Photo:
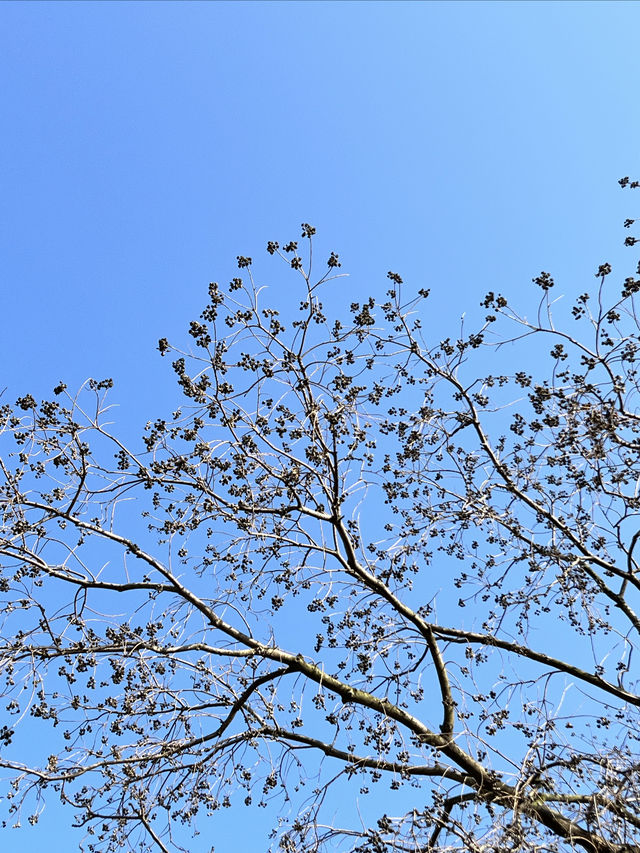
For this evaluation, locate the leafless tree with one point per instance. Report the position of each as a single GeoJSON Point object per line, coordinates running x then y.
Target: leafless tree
{"type": "Point", "coordinates": [354, 561]}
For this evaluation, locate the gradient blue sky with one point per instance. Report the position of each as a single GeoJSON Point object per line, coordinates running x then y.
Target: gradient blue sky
{"type": "Point", "coordinates": [145, 145]}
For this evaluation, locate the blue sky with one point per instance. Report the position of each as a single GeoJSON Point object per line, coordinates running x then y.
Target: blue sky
{"type": "Point", "coordinates": [145, 145]}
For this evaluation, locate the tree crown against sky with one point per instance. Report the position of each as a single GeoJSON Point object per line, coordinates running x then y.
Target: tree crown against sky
{"type": "Point", "coordinates": [355, 560]}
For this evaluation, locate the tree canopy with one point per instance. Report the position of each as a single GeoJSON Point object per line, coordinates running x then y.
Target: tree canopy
{"type": "Point", "coordinates": [354, 560]}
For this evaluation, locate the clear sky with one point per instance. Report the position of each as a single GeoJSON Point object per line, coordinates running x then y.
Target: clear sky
{"type": "Point", "coordinates": [144, 145]}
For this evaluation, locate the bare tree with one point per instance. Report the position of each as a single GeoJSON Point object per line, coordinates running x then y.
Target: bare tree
{"type": "Point", "coordinates": [353, 559]}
